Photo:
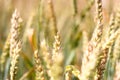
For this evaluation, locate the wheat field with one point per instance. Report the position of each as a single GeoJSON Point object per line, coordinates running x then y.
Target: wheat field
{"type": "Point", "coordinates": [59, 40]}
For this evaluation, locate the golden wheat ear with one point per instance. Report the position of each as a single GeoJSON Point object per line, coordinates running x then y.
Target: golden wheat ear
{"type": "Point", "coordinates": [15, 43]}
{"type": "Point", "coordinates": [58, 60]}
{"type": "Point", "coordinates": [38, 67]}
{"type": "Point", "coordinates": [91, 56]}
{"type": "Point", "coordinates": [104, 54]}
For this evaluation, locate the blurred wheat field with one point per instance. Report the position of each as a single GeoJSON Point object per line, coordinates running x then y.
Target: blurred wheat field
{"type": "Point", "coordinates": [59, 40]}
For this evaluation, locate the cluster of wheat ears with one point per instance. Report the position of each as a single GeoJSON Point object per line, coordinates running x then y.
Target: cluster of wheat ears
{"type": "Point", "coordinates": [100, 51]}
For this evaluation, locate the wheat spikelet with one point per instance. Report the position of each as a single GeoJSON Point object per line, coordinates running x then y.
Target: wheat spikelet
{"type": "Point", "coordinates": [15, 43]}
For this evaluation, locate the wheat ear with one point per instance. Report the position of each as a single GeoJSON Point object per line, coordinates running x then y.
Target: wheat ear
{"type": "Point", "coordinates": [90, 58]}
{"type": "Point", "coordinates": [104, 55]}
{"type": "Point", "coordinates": [58, 59]}
{"type": "Point", "coordinates": [47, 57]}
{"type": "Point", "coordinates": [38, 67]}
{"type": "Point", "coordinates": [15, 43]}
